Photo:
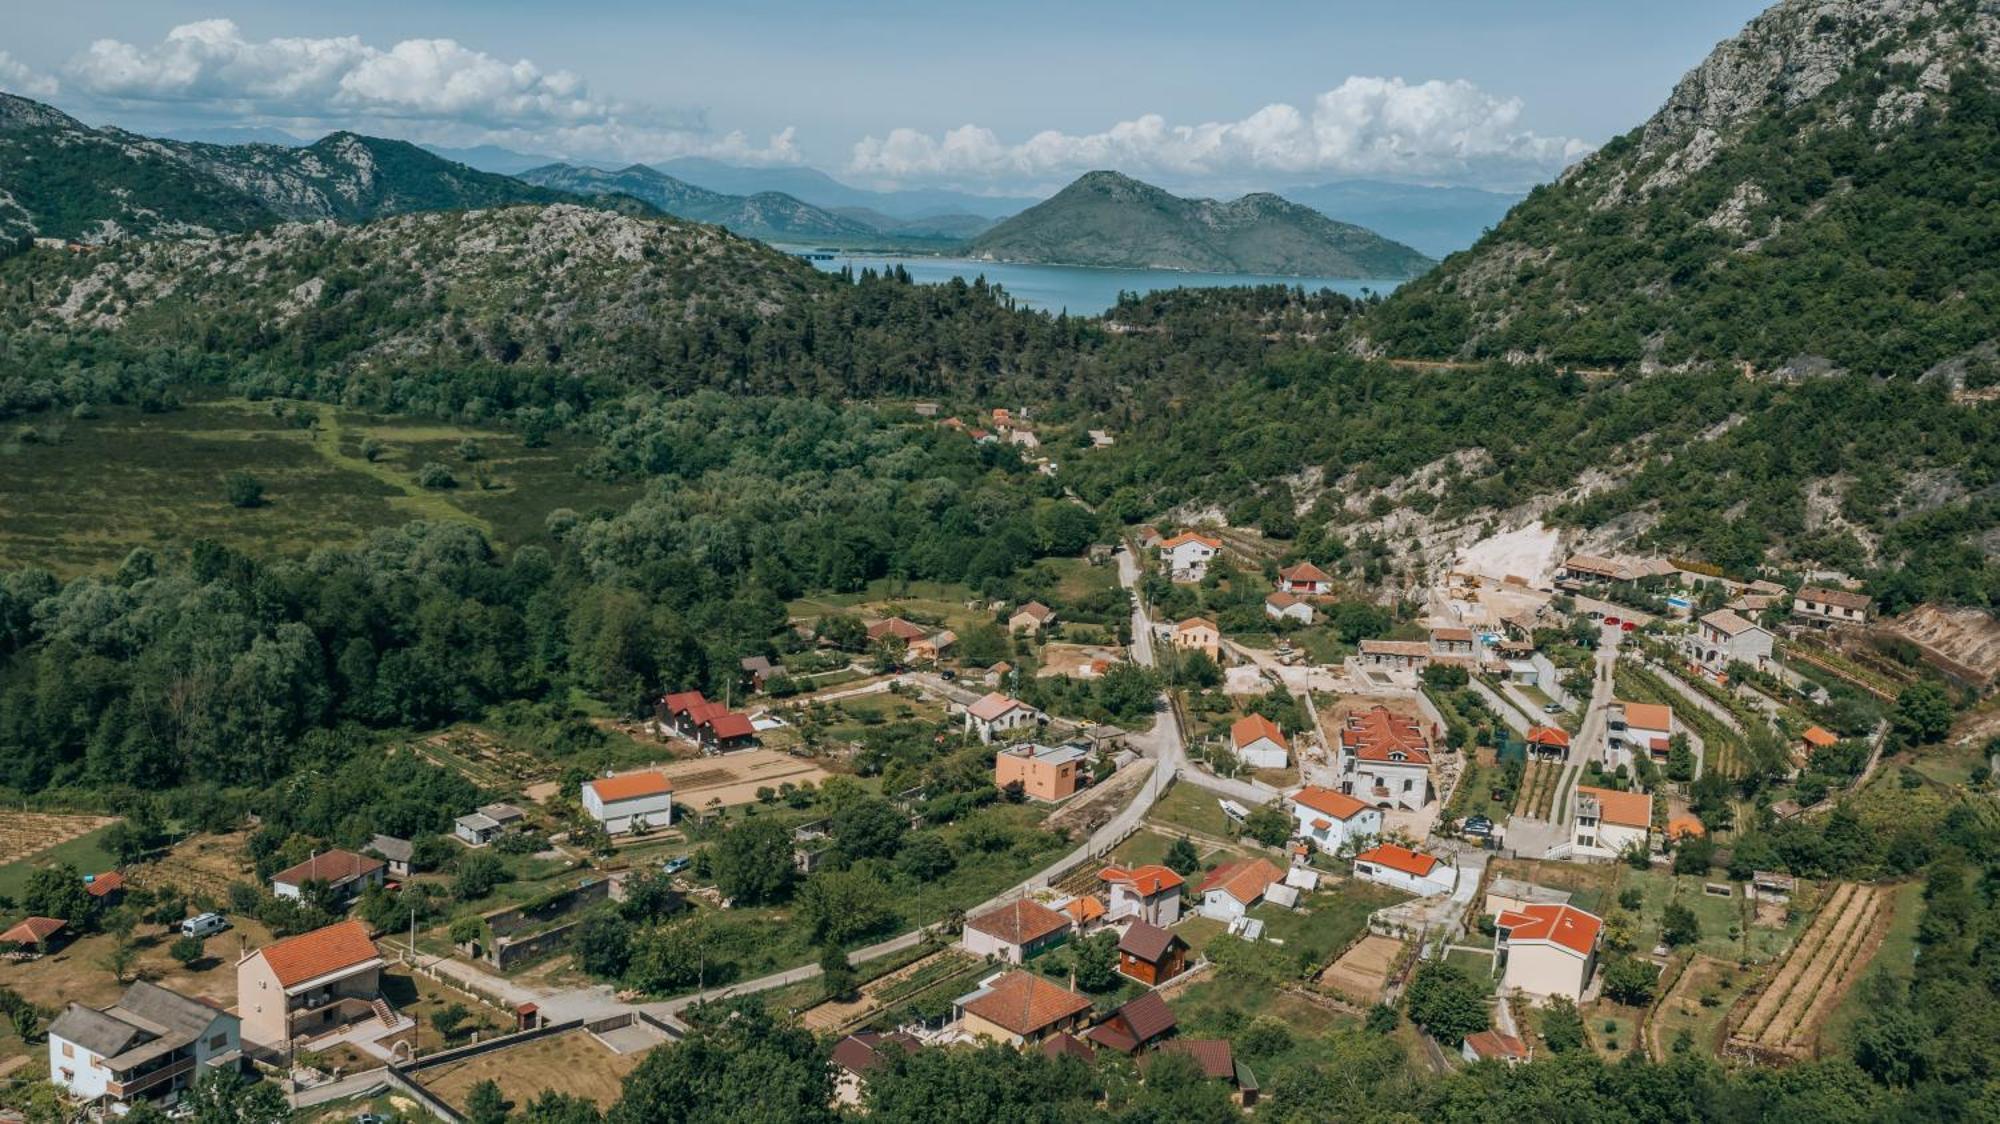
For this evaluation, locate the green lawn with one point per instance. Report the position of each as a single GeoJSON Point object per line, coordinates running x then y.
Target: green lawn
{"type": "Point", "coordinates": [1186, 806]}
{"type": "Point", "coordinates": [1478, 966]}
{"type": "Point", "coordinates": [85, 852]}
{"type": "Point", "coordinates": [1726, 931]}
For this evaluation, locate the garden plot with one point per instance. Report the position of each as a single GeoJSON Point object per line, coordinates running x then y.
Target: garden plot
{"type": "Point", "coordinates": [734, 778]}
{"type": "Point", "coordinates": [1362, 972]}
{"type": "Point", "coordinates": [27, 834]}
{"type": "Point", "coordinates": [1537, 797]}
{"type": "Point", "coordinates": [1782, 1022]}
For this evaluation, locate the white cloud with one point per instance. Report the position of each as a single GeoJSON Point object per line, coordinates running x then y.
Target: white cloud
{"type": "Point", "coordinates": [435, 90]}
{"type": "Point", "coordinates": [1365, 126]}
{"type": "Point", "coordinates": [17, 78]}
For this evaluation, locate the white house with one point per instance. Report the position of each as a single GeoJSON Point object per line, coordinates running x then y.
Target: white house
{"type": "Point", "coordinates": [344, 874]}
{"type": "Point", "coordinates": [1282, 606]}
{"type": "Point", "coordinates": [1723, 637]}
{"type": "Point", "coordinates": [995, 714]}
{"type": "Point", "coordinates": [1609, 822]}
{"type": "Point", "coordinates": [630, 801]}
{"type": "Point", "coordinates": [1187, 555]}
{"type": "Point", "coordinates": [1385, 760]}
{"type": "Point", "coordinates": [1636, 728]}
{"type": "Point", "coordinates": [151, 1043]}
{"type": "Point", "coordinates": [1410, 871]}
{"type": "Point", "coordinates": [1305, 578]}
{"type": "Point", "coordinates": [1232, 888]}
{"type": "Point", "coordinates": [1547, 950]}
{"type": "Point", "coordinates": [1150, 893]}
{"type": "Point", "coordinates": [486, 823]}
{"type": "Point", "coordinates": [1016, 931]}
{"type": "Point", "coordinates": [1821, 606]}
{"type": "Point", "coordinates": [1258, 743]}
{"type": "Point", "coordinates": [1333, 820]}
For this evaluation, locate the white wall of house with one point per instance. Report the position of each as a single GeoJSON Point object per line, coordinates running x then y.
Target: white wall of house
{"type": "Point", "coordinates": [1603, 840]}
{"type": "Point", "coordinates": [77, 1069]}
{"type": "Point", "coordinates": [1264, 753]}
{"type": "Point", "coordinates": [1219, 906]}
{"type": "Point", "coordinates": [1408, 785]}
{"type": "Point", "coordinates": [1541, 969]}
{"type": "Point", "coordinates": [1162, 909]}
{"type": "Point", "coordinates": [986, 944]}
{"type": "Point", "coordinates": [1441, 880]}
{"type": "Point", "coordinates": [1366, 824]}
{"type": "Point", "coordinates": [621, 816]}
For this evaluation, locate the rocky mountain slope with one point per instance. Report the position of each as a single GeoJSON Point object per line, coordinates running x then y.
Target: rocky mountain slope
{"type": "Point", "coordinates": [1817, 191]}
{"type": "Point", "coordinates": [769, 215]}
{"type": "Point", "coordinates": [60, 178]}
{"type": "Point", "coordinates": [1107, 219]}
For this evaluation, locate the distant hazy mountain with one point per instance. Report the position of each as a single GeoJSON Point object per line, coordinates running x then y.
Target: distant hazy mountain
{"type": "Point", "coordinates": [1113, 220]}
{"type": "Point", "coordinates": [238, 134]}
{"type": "Point", "coordinates": [1436, 220]}
{"type": "Point", "coordinates": [62, 178]}
{"type": "Point", "coordinates": [822, 190]}
{"type": "Point", "coordinates": [770, 215]}
{"type": "Point", "coordinates": [502, 161]}
{"type": "Point", "coordinates": [942, 227]}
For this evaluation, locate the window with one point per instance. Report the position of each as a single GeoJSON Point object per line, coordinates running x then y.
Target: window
{"type": "Point", "coordinates": [218, 1042]}
{"type": "Point", "coordinates": [69, 1051]}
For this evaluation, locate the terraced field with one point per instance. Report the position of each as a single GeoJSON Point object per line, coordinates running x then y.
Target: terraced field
{"type": "Point", "coordinates": [1781, 1023]}
{"type": "Point", "coordinates": [1537, 797]}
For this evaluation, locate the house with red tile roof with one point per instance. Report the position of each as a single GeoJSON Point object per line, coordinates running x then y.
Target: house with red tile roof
{"type": "Point", "coordinates": [1305, 578]}
{"type": "Point", "coordinates": [1031, 618]}
{"type": "Point", "coordinates": [1412, 872]}
{"type": "Point", "coordinates": [1282, 606]}
{"type": "Point", "coordinates": [674, 706]}
{"type": "Point", "coordinates": [1547, 950]}
{"type": "Point", "coordinates": [994, 715]}
{"type": "Point", "coordinates": [1332, 820]}
{"type": "Point", "coordinates": [1384, 759]}
{"type": "Point", "coordinates": [1637, 728]}
{"type": "Point", "coordinates": [1491, 1045]}
{"type": "Point", "coordinates": [630, 801]}
{"type": "Point", "coordinates": [34, 936]}
{"type": "Point", "coordinates": [1258, 743]}
{"type": "Point", "coordinates": [311, 984]}
{"type": "Point", "coordinates": [1232, 888]}
{"type": "Point", "coordinates": [1606, 822]}
{"type": "Point", "coordinates": [1015, 931]}
{"type": "Point", "coordinates": [727, 730]}
{"type": "Point", "coordinates": [895, 628]}
{"type": "Point", "coordinates": [1020, 1008]}
{"type": "Point", "coordinates": [1548, 741]}
{"type": "Point", "coordinates": [1150, 893]}
{"type": "Point", "coordinates": [1186, 556]}
{"type": "Point", "coordinates": [345, 875]}
{"type": "Point", "coordinates": [1812, 741]}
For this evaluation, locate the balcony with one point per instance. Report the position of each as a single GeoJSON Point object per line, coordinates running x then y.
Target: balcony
{"type": "Point", "coordinates": [154, 1079]}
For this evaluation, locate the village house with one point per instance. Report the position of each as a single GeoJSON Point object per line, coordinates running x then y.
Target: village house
{"type": "Point", "coordinates": [630, 802]}
{"type": "Point", "coordinates": [1636, 728]}
{"type": "Point", "coordinates": [1031, 618]}
{"type": "Point", "coordinates": [1395, 655]}
{"type": "Point", "coordinates": [311, 984]}
{"type": "Point", "coordinates": [1547, 950]}
{"type": "Point", "coordinates": [757, 670]}
{"type": "Point", "coordinates": [1020, 1008]}
{"type": "Point", "coordinates": [1282, 606]}
{"type": "Point", "coordinates": [675, 710]}
{"type": "Point", "coordinates": [1333, 820]}
{"type": "Point", "coordinates": [149, 1045]}
{"type": "Point", "coordinates": [35, 936]}
{"type": "Point", "coordinates": [895, 628]}
{"type": "Point", "coordinates": [1609, 822]}
{"type": "Point", "coordinates": [1150, 954]}
{"type": "Point", "coordinates": [1188, 554]}
{"type": "Point", "coordinates": [1454, 644]}
{"type": "Point", "coordinates": [344, 874]}
{"type": "Point", "coordinates": [726, 730]}
{"type": "Point", "coordinates": [1015, 932]}
{"type": "Point", "coordinates": [107, 889]}
{"type": "Point", "coordinates": [860, 1054]}
{"type": "Point", "coordinates": [1045, 772]}
{"type": "Point", "coordinates": [1722, 638]}
{"type": "Point", "coordinates": [486, 823]}
{"type": "Point", "coordinates": [996, 714]}
{"type": "Point", "coordinates": [1821, 606]}
{"type": "Point", "coordinates": [1305, 579]}
{"type": "Point", "coordinates": [1147, 536]}
{"type": "Point", "coordinates": [1143, 1022]}
{"type": "Point", "coordinates": [1232, 888]}
{"type": "Point", "coordinates": [1410, 871]}
{"type": "Point", "coordinates": [1812, 741]}
{"type": "Point", "coordinates": [395, 852]}
{"type": "Point", "coordinates": [1548, 743]}
{"type": "Point", "coordinates": [1085, 912]}
{"type": "Point", "coordinates": [1385, 760]}
{"type": "Point", "coordinates": [1258, 743]}
{"type": "Point", "coordinates": [1216, 1061]}
{"type": "Point", "coordinates": [1494, 1046]}
{"type": "Point", "coordinates": [1199, 634]}
{"type": "Point", "coordinates": [1150, 893]}
{"type": "Point", "coordinates": [996, 676]}
{"type": "Point", "coordinates": [1100, 439]}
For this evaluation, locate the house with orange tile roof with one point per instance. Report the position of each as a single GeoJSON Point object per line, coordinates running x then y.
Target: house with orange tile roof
{"type": "Point", "coordinates": [1494, 1046]}
{"type": "Point", "coordinates": [1015, 931]}
{"type": "Point", "coordinates": [1412, 872]}
{"type": "Point", "coordinates": [305, 986]}
{"type": "Point", "coordinates": [630, 801]}
{"type": "Point", "coordinates": [150, 1044]}
{"type": "Point", "coordinates": [895, 628]}
{"type": "Point", "coordinates": [1305, 578]}
{"type": "Point", "coordinates": [1020, 1008]}
{"type": "Point", "coordinates": [1608, 822]}
{"type": "Point", "coordinates": [995, 714]}
{"type": "Point", "coordinates": [1812, 741]}
{"type": "Point", "coordinates": [1199, 634]}
{"type": "Point", "coordinates": [1636, 728]}
{"type": "Point", "coordinates": [34, 936]}
{"type": "Point", "coordinates": [1547, 950]}
{"type": "Point", "coordinates": [1332, 821]}
{"type": "Point", "coordinates": [1282, 606]}
{"type": "Point", "coordinates": [1232, 888]}
{"type": "Point", "coordinates": [1384, 759]}
{"type": "Point", "coordinates": [345, 875]}
{"type": "Point", "coordinates": [1085, 911]}
{"type": "Point", "coordinates": [1186, 556]}
{"type": "Point", "coordinates": [1548, 742]}
{"type": "Point", "coordinates": [1258, 743]}
{"type": "Point", "coordinates": [1150, 893]}
{"type": "Point", "coordinates": [1031, 618]}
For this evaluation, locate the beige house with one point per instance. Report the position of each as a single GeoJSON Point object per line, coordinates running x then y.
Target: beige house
{"type": "Point", "coordinates": [1032, 617]}
{"type": "Point", "coordinates": [1547, 950]}
{"type": "Point", "coordinates": [1724, 637]}
{"type": "Point", "coordinates": [1609, 822]}
{"type": "Point", "coordinates": [1015, 931]}
{"type": "Point", "coordinates": [1020, 1008]}
{"type": "Point", "coordinates": [1199, 634]}
{"type": "Point", "coordinates": [311, 984]}
{"type": "Point", "coordinates": [993, 715]}
{"type": "Point", "coordinates": [1822, 606]}
{"type": "Point", "coordinates": [1397, 655]}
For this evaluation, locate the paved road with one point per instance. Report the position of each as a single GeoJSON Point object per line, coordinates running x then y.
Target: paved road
{"type": "Point", "coordinates": [1593, 735]}
{"type": "Point", "coordinates": [1508, 712]}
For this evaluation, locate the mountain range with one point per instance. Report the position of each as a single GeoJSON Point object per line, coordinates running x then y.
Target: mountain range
{"type": "Point", "coordinates": [1108, 219]}
{"type": "Point", "coordinates": [769, 215]}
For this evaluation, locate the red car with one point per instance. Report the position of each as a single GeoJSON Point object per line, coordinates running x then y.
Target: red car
{"type": "Point", "coordinates": [1629, 626]}
{"type": "Point", "coordinates": [1611, 622]}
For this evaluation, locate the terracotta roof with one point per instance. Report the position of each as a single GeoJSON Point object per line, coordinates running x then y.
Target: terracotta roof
{"type": "Point", "coordinates": [1819, 737]}
{"type": "Point", "coordinates": [631, 786]}
{"type": "Point", "coordinates": [1035, 609]}
{"type": "Point", "coordinates": [1395, 648]}
{"type": "Point", "coordinates": [308, 956]}
{"type": "Point", "coordinates": [1626, 809]}
{"type": "Point", "coordinates": [1648, 716]}
{"type": "Point", "coordinates": [993, 706]}
{"type": "Point", "coordinates": [1024, 1003]}
{"type": "Point", "coordinates": [1339, 805]}
{"type": "Point", "coordinates": [1284, 600]}
{"type": "Point", "coordinates": [1304, 572]}
{"type": "Point", "coordinates": [1727, 622]}
{"type": "Point", "coordinates": [1083, 909]}
{"type": "Point", "coordinates": [1192, 623]}
{"type": "Point", "coordinates": [331, 867]}
{"type": "Point", "coordinates": [1685, 825]}
{"type": "Point", "coordinates": [896, 627]}
{"type": "Point", "coordinates": [1451, 635]}
{"type": "Point", "coordinates": [869, 1050]}
{"type": "Point", "coordinates": [678, 702]}
{"type": "Point", "coordinates": [1068, 1045]}
{"type": "Point", "coordinates": [1146, 880]}
{"type": "Point", "coordinates": [1186, 537]}
{"type": "Point", "coordinates": [1251, 727]}
{"type": "Point", "coordinates": [1549, 735]}
{"type": "Point", "coordinates": [1563, 925]}
{"type": "Point", "coordinates": [1414, 863]}
{"type": "Point", "coordinates": [34, 930]}
{"type": "Point", "coordinates": [731, 725]}
{"type": "Point", "coordinates": [705, 710]}
{"type": "Point", "coordinates": [1493, 1044]}
{"type": "Point", "coordinates": [1022, 921]}
{"type": "Point", "coordinates": [1245, 880]}
{"type": "Point", "coordinates": [1211, 1054]}
{"type": "Point", "coordinates": [1846, 599]}
{"type": "Point", "coordinates": [1604, 567]}
{"type": "Point", "coordinates": [109, 882]}
{"type": "Point", "coordinates": [1378, 734]}
{"type": "Point", "coordinates": [1146, 941]}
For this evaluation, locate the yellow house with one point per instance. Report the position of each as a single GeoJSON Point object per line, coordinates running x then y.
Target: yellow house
{"type": "Point", "coordinates": [1199, 634]}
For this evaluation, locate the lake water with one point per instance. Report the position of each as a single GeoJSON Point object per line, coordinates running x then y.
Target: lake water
{"type": "Point", "coordinates": [1080, 290]}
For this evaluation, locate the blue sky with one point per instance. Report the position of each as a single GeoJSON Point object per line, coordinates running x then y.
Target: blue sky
{"type": "Point", "coordinates": [989, 96]}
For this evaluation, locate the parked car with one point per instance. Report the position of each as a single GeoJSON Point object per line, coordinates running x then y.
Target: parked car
{"type": "Point", "coordinates": [1478, 825]}
{"type": "Point", "coordinates": [1629, 626]}
{"type": "Point", "coordinates": [676, 865]}
{"type": "Point", "coordinates": [204, 925]}
{"type": "Point", "coordinates": [1552, 708]}
{"type": "Point", "coordinates": [1611, 622]}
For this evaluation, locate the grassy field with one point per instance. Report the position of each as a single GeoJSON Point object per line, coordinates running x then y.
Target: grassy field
{"type": "Point", "coordinates": [1896, 958]}
{"type": "Point", "coordinates": [888, 597]}
{"type": "Point", "coordinates": [1726, 931]}
{"type": "Point", "coordinates": [1186, 806]}
{"type": "Point", "coordinates": [85, 852]}
{"type": "Point", "coordinates": [573, 1063]}
{"type": "Point", "coordinates": [87, 491]}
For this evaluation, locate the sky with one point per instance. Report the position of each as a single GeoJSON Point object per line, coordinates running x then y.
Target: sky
{"type": "Point", "coordinates": [990, 97]}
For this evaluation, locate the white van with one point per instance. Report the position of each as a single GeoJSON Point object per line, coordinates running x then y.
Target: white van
{"type": "Point", "coordinates": [204, 925]}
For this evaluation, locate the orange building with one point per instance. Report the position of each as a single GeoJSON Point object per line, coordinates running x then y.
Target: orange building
{"type": "Point", "coordinates": [1046, 772]}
